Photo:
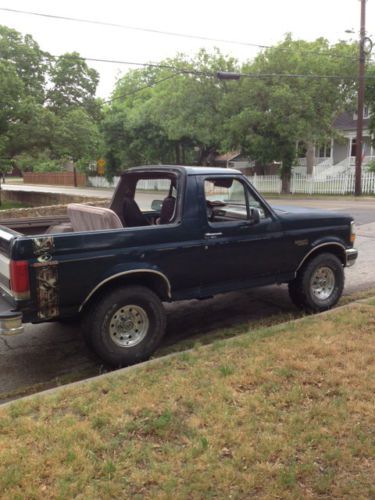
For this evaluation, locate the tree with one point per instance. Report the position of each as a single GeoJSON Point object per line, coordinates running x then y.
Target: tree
{"type": "Point", "coordinates": [34, 129]}
{"type": "Point", "coordinates": [131, 134]}
{"type": "Point", "coordinates": [73, 85]}
{"type": "Point", "coordinates": [77, 136]}
{"type": "Point", "coordinates": [40, 123]}
{"type": "Point", "coordinates": [272, 113]}
{"type": "Point", "coordinates": [176, 112]}
{"type": "Point", "coordinates": [188, 107]}
{"type": "Point", "coordinates": [28, 60]}
{"type": "Point", "coordinates": [11, 91]}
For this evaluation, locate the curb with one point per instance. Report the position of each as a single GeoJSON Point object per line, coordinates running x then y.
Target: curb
{"type": "Point", "coordinates": [161, 359]}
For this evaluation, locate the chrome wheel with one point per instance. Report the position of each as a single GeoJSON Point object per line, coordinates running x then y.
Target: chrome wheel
{"type": "Point", "coordinates": [323, 283]}
{"type": "Point", "coordinates": [128, 326]}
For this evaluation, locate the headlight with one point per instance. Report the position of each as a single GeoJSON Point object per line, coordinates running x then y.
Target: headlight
{"type": "Point", "coordinates": [352, 232]}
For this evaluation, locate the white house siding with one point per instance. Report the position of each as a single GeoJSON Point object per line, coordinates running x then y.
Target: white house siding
{"type": "Point", "coordinates": [340, 151]}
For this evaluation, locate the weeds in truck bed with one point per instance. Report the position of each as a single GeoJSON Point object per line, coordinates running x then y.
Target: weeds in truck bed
{"type": "Point", "coordinates": [285, 411]}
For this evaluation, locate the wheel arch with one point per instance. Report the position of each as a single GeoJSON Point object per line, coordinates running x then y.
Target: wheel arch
{"type": "Point", "coordinates": [154, 280]}
{"type": "Point", "coordinates": [337, 249]}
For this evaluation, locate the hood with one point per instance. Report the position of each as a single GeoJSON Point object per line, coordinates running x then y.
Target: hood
{"type": "Point", "coordinates": [310, 216]}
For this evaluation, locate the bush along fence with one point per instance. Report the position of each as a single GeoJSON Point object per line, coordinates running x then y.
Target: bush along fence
{"type": "Point", "coordinates": [300, 184]}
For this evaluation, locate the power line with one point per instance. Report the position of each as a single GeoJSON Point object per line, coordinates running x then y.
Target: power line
{"type": "Point", "coordinates": [187, 71]}
{"type": "Point", "coordinates": [150, 85]}
{"type": "Point", "coordinates": [211, 74]}
{"type": "Point", "coordinates": [168, 33]}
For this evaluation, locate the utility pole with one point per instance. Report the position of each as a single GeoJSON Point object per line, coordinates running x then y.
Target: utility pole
{"type": "Point", "coordinates": [361, 96]}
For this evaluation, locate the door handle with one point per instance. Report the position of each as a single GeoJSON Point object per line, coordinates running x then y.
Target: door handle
{"type": "Point", "coordinates": [212, 235]}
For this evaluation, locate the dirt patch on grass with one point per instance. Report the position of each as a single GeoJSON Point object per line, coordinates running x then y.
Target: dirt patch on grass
{"type": "Point", "coordinates": [286, 411]}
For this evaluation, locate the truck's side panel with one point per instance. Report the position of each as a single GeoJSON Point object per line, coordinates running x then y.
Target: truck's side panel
{"type": "Point", "coordinates": [66, 269]}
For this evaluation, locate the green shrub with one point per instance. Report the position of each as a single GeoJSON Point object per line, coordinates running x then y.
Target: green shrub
{"type": "Point", "coordinates": [371, 166]}
{"type": "Point", "coordinates": [40, 162]}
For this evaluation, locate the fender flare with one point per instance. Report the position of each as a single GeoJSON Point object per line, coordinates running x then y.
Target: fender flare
{"type": "Point", "coordinates": [321, 245]}
{"type": "Point", "coordinates": [125, 273]}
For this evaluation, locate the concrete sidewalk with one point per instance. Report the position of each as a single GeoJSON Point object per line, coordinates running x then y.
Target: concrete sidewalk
{"type": "Point", "coordinates": [89, 192]}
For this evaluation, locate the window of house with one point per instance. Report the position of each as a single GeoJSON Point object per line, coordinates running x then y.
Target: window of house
{"type": "Point", "coordinates": [366, 113]}
{"type": "Point", "coordinates": [324, 150]}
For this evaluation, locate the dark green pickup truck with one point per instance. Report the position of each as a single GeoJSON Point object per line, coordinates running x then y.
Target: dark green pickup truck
{"type": "Point", "coordinates": [171, 233]}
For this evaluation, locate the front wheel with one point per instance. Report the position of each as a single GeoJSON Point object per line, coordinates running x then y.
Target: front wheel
{"type": "Point", "coordinates": [126, 325]}
{"type": "Point", "coordinates": [319, 284]}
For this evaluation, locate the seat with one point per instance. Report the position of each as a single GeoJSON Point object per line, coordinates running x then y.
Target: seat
{"type": "Point", "coordinates": [64, 227]}
{"type": "Point", "coordinates": [167, 210]}
{"type": "Point", "coordinates": [132, 215]}
{"type": "Point", "coordinates": [88, 218]}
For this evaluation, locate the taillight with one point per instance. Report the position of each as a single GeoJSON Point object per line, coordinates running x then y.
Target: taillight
{"type": "Point", "coordinates": [19, 278]}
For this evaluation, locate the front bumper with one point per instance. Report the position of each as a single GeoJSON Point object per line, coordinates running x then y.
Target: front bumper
{"type": "Point", "coordinates": [351, 256]}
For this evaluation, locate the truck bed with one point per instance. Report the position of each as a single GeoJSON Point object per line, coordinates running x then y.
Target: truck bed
{"type": "Point", "coordinates": [37, 225]}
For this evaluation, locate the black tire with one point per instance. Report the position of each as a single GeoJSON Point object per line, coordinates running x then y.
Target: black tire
{"type": "Point", "coordinates": [125, 326]}
{"type": "Point", "coordinates": [319, 284]}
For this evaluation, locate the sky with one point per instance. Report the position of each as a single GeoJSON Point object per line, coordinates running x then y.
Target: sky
{"type": "Point", "coordinates": [263, 22]}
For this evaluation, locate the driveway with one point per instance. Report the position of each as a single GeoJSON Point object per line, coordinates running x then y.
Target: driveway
{"type": "Point", "coordinates": [49, 353]}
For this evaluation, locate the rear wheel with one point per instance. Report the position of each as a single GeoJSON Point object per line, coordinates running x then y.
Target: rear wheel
{"type": "Point", "coordinates": [319, 284]}
{"type": "Point", "coordinates": [125, 326]}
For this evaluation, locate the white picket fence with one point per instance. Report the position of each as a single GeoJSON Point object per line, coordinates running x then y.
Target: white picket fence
{"type": "Point", "coordinates": [101, 182]}
{"type": "Point", "coordinates": [304, 184]}
{"type": "Point", "coordinates": [310, 184]}
{"type": "Point", "coordinates": [266, 183]}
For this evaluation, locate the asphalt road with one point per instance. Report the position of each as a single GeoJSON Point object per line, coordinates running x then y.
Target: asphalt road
{"type": "Point", "coordinates": [49, 352]}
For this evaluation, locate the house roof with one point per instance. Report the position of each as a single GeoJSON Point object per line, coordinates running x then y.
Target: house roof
{"type": "Point", "coordinates": [346, 121]}
{"type": "Point", "coordinates": [231, 155]}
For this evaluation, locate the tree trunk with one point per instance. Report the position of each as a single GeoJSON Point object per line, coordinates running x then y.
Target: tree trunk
{"type": "Point", "coordinates": [310, 157]}
{"type": "Point", "coordinates": [285, 182]}
{"type": "Point", "coordinates": [178, 155]}
{"type": "Point", "coordinates": [183, 154]}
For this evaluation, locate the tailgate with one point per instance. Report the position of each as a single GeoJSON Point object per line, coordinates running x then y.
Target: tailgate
{"type": "Point", "coordinates": [7, 237]}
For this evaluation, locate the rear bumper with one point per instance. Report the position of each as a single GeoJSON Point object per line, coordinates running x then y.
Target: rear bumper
{"type": "Point", "coordinates": [10, 320]}
{"type": "Point", "coordinates": [10, 323]}
{"type": "Point", "coordinates": [351, 256]}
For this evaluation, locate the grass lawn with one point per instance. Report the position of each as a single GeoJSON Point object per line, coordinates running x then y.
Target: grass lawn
{"type": "Point", "coordinates": [6, 205]}
{"type": "Point", "coordinates": [280, 412]}
{"type": "Point", "coordinates": [13, 180]}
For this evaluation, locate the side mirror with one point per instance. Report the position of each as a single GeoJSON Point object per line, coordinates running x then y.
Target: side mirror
{"type": "Point", "coordinates": [255, 215]}
{"type": "Point", "coordinates": [156, 205]}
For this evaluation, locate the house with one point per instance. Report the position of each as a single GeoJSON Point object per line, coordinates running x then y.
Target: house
{"type": "Point", "coordinates": [227, 159]}
{"type": "Point", "coordinates": [338, 154]}
{"type": "Point", "coordinates": [235, 159]}
{"type": "Point", "coordinates": [334, 157]}
{"type": "Point", "coordinates": [346, 124]}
